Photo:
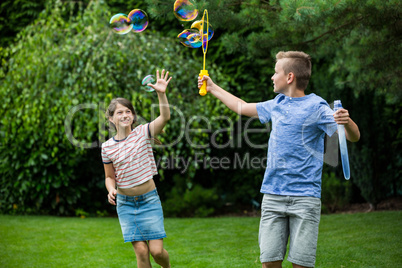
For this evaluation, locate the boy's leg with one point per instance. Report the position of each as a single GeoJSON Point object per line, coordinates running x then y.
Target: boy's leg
{"type": "Point", "coordinates": [298, 266]}
{"type": "Point", "coordinates": [274, 230]}
{"type": "Point", "coordinates": [278, 264]}
{"type": "Point", "coordinates": [274, 264]}
{"type": "Point", "coordinates": [304, 219]}
{"type": "Point", "coordinates": [159, 254]}
{"type": "Point", "coordinates": [142, 253]}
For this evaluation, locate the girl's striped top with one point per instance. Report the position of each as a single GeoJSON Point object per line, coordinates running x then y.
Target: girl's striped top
{"type": "Point", "coordinates": [132, 157]}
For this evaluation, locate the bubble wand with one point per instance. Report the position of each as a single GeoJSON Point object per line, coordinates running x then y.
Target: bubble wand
{"type": "Point", "coordinates": [342, 144]}
{"type": "Point", "coordinates": [203, 89]}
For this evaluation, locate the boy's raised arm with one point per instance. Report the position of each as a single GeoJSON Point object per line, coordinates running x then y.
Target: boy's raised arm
{"type": "Point", "coordinates": [234, 103]}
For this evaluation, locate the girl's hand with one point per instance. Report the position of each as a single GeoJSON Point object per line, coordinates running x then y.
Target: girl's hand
{"type": "Point", "coordinates": [111, 197]}
{"type": "Point", "coordinates": [342, 117]}
{"type": "Point", "coordinates": [161, 82]}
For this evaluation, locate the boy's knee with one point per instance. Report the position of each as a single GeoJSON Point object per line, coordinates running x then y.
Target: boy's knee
{"type": "Point", "coordinates": [273, 264]}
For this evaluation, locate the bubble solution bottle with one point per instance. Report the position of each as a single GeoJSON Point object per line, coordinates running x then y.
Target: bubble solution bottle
{"type": "Point", "coordinates": [342, 144]}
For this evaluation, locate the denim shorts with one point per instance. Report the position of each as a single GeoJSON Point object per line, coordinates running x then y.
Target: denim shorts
{"type": "Point", "coordinates": [141, 217]}
{"type": "Point", "coordinates": [289, 217]}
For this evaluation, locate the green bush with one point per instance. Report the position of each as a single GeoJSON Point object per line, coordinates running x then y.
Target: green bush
{"type": "Point", "coordinates": [185, 200]}
{"type": "Point", "coordinates": [336, 192]}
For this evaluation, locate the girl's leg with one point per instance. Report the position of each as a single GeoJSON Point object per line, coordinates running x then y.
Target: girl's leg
{"type": "Point", "coordinates": [142, 253]}
{"type": "Point", "coordinates": [159, 254]}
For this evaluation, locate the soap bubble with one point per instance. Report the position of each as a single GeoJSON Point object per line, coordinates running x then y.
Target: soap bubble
{"type": "Point", "coordinates": [193, 37]}
{"type": "Point", "coordinates": [120, 24]}
{"type": "Point", "coordinates": [185, 10]}
{"type": "Point", "coordinates": [149, 79]}
{"type": "Point", "coordinates": [190, 38]}
{"type": "Point", "coordinates": [198, 25]}
{"type": "Point", "coordinates": [139, 20]}
{"type": "Point", "coordinates": [205, 42]}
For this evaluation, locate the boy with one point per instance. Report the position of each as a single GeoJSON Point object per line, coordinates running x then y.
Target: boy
{"type": "Point", "coordinates": [291, 205]}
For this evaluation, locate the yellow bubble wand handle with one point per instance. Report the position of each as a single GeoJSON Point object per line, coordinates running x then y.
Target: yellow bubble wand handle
{"type": "Point", "coordinates": [203, 89]}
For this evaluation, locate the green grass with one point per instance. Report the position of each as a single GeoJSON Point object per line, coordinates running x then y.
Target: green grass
{"type": "Point", "coordinates": [345, 240]}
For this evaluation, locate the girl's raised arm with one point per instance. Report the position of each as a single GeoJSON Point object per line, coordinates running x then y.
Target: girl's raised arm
{"type": "Point", "coordinates": [156, 126]}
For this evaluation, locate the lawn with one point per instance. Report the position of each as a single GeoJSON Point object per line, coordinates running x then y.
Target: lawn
{"type": "Point", "coordinates": [345, 240]}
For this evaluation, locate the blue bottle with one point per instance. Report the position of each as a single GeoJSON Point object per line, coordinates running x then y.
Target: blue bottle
{"type": "Point", "coordinates": [342, 144]}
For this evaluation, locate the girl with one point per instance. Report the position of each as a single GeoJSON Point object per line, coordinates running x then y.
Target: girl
{"type": "Point", "coordinates": [129, 163]}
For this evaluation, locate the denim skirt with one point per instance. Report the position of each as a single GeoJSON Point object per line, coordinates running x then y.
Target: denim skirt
{"type": "Point", "coordinates": [141, 217]}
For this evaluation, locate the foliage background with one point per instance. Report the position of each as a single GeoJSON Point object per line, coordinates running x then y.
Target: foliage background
{"type": "Point", "coordinates": [60, 55]}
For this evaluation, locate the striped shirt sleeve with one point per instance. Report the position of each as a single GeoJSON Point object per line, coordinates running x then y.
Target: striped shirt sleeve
{"type": "Point", "coordinates": [105, 158]}
{"type": "Point", "coordinates": [145, 130]}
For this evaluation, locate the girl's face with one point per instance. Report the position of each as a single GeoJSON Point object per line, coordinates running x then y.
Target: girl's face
{"type": "Point", "coordinates": [122, 118]}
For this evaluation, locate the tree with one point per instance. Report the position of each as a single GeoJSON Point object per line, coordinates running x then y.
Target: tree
{"type": "Point", "coordinates": [15, 16]}
{"type": "Point", "coordinates": [354, 45]}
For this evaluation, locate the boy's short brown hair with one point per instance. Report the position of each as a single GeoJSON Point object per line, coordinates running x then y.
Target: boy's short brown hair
{"type": "Point", "coordinates": [298, 63]}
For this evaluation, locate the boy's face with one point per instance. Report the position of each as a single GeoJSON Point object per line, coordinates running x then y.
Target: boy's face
{"type": "Point", "coordinates": [122, 117]}
{"type": "Point", "coordinates": [279, 78]}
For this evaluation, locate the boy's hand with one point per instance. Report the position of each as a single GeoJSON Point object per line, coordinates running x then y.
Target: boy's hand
{"type": "Point", "coordinates": [111, 197]}
{"type": "Point", "coordinates": [342, 117]}
{"type": "Point", "coordinates": [210, 83]}
{"type": "Point", "coordinates": [161, 82]}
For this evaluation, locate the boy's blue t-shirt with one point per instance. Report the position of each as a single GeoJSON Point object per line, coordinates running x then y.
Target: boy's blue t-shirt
{"type": "Point", "coordinates": [296, 144]}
